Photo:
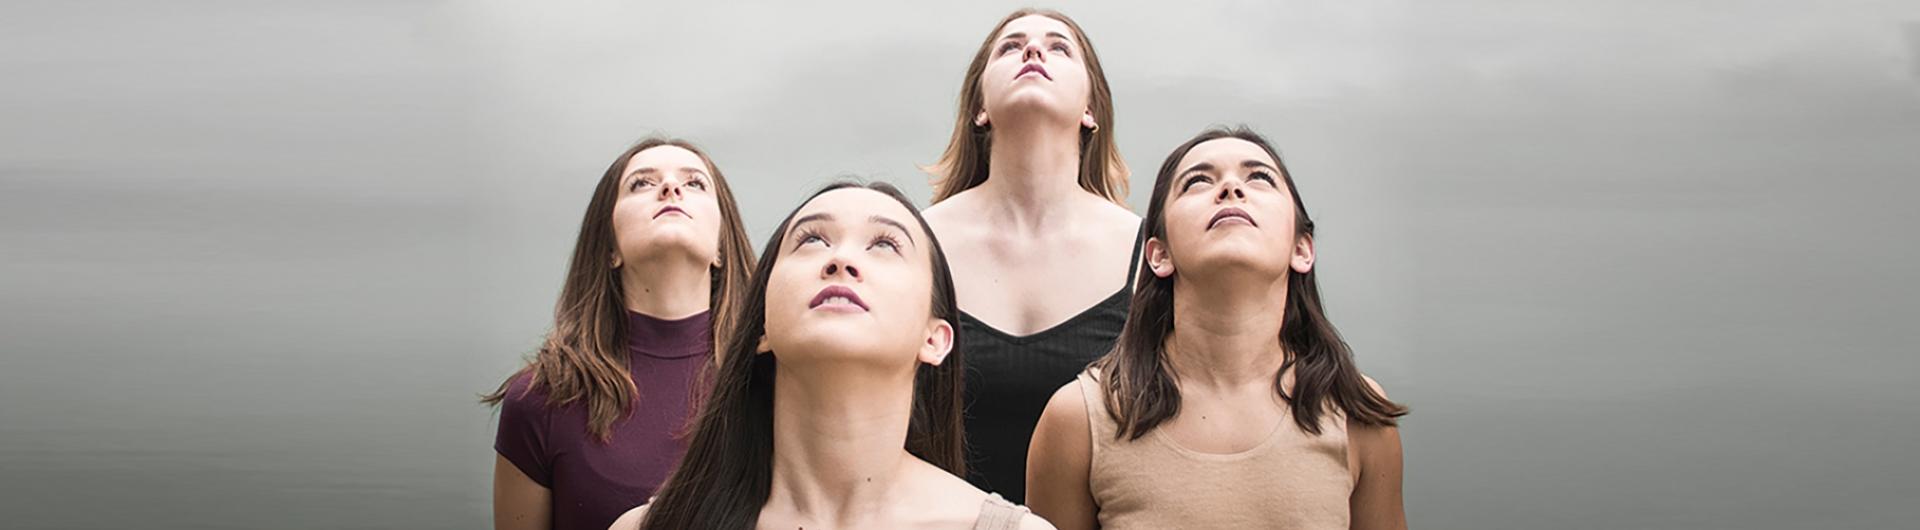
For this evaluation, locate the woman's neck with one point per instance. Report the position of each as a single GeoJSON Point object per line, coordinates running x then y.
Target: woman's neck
{"type": "Point", "coordinates": [839, 442]}
{"type": "Point", "coordinates": [1033, 169]}
{"type": "Point", "coordinates": [1227, 330]}
{"type": "Point", "coordinates": [667, 289]}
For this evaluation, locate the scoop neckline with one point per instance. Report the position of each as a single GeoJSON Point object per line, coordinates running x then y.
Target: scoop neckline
{"type": "Point", "coordinates": [1272, 435]}
{"type": "Point", "coordinates": [1037, 335]}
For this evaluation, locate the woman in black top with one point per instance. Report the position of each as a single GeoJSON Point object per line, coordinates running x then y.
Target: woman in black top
{"type": "Point", "coordinates": [1029, 201]}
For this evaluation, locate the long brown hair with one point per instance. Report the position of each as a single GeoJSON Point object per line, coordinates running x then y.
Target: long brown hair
{"type": "Point", "coordinates": [964, 164]}
{"type": "Point", "coordinates": [1139, 381]}
{"type": "Point", "coordinates": [584, 357]}
{"type": "Point", "coordinates": [727, 472]}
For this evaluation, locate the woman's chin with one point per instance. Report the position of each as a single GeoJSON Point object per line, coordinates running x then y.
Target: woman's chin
{"type": "Point", "coordinates": [826, 343]}
{"type": "Point", "coordinates": [1227, 259]}
{"type": "Point", "coordinates": [1034, 99]}
{"type": "Point", "coordinates": [670, 243]}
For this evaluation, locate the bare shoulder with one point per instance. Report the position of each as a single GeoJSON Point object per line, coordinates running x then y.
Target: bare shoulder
{"type": "Point", "coordinates": [1119, 230]}
{"type": "Point", "coordinates": [941, 498]}
{"type": "Point", "coordinates": [1370, 442]}
{"type": "Point", "coordinates": [1067, 407]}
{"type": "Point", "coordinates": [1111, 222]}
{"type": "Point", "coordinates": [954, 211]}
{"type": "Point", "coordinates": [957, 226]}
{"type": "Point", "coordinates": [1375, 385]}
{"type": "Point", "coordinates": [949, 486]}
{"type": "Point", "coordinates": [1118, 214]}
{"type": "Point", "coordinates": [939, 212]}
{"type": "Point", "coordinates": [630, 520]}
{"type": "Point", "coordinates": [1062, 445]}
{"type": "Point", "coordinates": [953, 500]}
{"type": "Point", "coordinates": [1371, 433]}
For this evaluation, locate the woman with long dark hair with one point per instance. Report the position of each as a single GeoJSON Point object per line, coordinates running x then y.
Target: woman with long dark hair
{"type": "Point", "coordinates": [1230, 401]}
{"type": "Point", "coordinates": [1030, 197]}
{"type": "Point", "coordinates": [836, 403]}
{"type": "Point", "coordinates": [593, 423]}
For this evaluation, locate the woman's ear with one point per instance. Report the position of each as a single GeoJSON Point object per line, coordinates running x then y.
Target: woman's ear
{"type": "Point", "coordinates": [981, 119]}
{"type": "Point", "coordinates": [616, 261]}
{"type": "Point", "coordinates": [1158, 259]}
{"type": "Point", "coordinates": [762, 346]}
{"type": "Point", "coordinates": [939, 342]}
{"type": "Point", "coordinates": [1086, 120]}
{"type": "Point", "coordinates": [1303, 254]}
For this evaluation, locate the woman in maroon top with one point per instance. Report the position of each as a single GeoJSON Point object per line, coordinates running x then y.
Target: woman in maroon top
{"type": "Point", "coordinates": [593, 423]}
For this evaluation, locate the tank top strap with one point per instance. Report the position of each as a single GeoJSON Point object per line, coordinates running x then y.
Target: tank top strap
{"type": "Point", "coordinates": [996, 513]}
{"type": "Point", "coordinates": [1133, 262]}
{"type": "Point", "coordinates": [1099, 423]}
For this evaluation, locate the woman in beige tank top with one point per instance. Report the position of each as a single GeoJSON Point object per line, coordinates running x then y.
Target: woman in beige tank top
{"type": "Point", "coordinates": [1229, 401]}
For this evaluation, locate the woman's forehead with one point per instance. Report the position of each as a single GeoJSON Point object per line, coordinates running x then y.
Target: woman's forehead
{"type": "Point", "coordinates": [852, 199]}
{"type": "Point", "coordinates": [1036, 26]}
{"type": "Point", "coordinates": [1228, 151]}
{"type": "Point", "coordinates": [671, 158]}
{"type": "Point", "coordinates": [859, 205]}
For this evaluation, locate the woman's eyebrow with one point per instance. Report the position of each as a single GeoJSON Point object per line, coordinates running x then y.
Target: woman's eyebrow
{"type": "Point", "coordinates": [811, 218]}
{"type": "Point", "coordinates": [1022, 35]}
{"type": "Point", "coordinates": [881, 219]}
{"type": "Point", "coordinates": [1252, 163]}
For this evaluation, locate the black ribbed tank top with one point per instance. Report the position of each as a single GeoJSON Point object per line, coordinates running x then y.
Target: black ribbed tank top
{"type": "Point", "coordinates": [1009, 379]}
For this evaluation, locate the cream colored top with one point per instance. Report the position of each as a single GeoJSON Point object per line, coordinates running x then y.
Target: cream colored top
{"type": "Point", "coordinates": [1291, 480]}
{"type": "Point", "coordinates": [997, 513]}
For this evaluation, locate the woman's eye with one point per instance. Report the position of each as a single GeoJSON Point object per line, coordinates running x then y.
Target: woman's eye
{"type": "Point", "coordinates": [887, 243]}
{"type": "Point", "coordinates": [698, 184]}
{"type": "Point", "coordinates": [639, 183]}
{"type": "Point", "coordinates": [1261, 175]}
{"type": "Point", "coordinates": [1195, 181]}
{"type": "Point", "coordinates": [808, 236]}
{"type": "Point", "coordinates": [1008, 46]}
{"type": "Point", "coordinates": [1061, 47]}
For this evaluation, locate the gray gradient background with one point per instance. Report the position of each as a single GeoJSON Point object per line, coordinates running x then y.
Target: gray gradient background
{"type": "Point", "coordinates": [1633, 264]}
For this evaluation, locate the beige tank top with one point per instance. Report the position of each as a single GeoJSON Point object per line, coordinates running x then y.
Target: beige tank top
{"type": "Point", "coordinates": [997, 513]}
{"type": "Point", "coordinates": [1291, 480]}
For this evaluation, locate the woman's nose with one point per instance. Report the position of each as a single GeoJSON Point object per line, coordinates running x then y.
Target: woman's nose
{"type": "Point", "coordinates": [836, 267]}
{"type": "Point", "coordinates": [1230, 188]}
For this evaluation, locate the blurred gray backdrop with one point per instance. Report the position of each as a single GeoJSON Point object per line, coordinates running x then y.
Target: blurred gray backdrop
{"type": "Point", "coordinates": [1633, 264]}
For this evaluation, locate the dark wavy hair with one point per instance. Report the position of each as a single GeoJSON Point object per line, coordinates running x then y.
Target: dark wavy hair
{"type": "Point", "coordinates": [1139, 381]}
{"type": "Point", "coordinates": [727, 472]}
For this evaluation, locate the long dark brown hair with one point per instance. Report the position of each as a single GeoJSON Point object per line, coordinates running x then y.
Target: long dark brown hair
{"type": "Point", "coordinates": [584, 357]}
{"type": "Point", "coordinates": [964, 164]}
{"type": "Point", "coordinates": [727, 472]}
{"type": "Point", "coordinates": [1139, 381]}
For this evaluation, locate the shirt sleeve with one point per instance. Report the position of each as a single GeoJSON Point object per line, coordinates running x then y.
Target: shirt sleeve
{"type": "Point", "coordinates": [524, 425]}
